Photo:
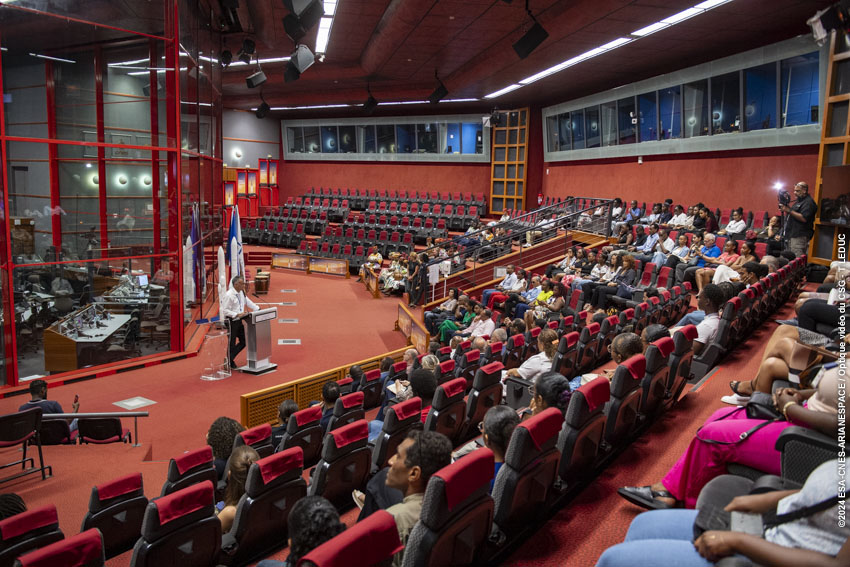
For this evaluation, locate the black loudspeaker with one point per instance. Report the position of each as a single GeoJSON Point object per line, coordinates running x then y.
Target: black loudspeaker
{"type": "Point", "coordinates": [530, 41]}
{"type": "Point", "coordinates": [255, 80]}
{"type": "Point", "coordinates": [262, 110]}
{"type": "Point", "coordinates": [300, 60]}
{"type": "Point", "coordinates": [438, 94]}
{"type": "Point", "coordinates": [370, 105]}
{"type": "Point", "coordinates": [304, 14]}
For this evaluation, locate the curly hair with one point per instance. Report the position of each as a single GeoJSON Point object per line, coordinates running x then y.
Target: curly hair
{"type": "Point", "coordinates": [312, 521]}
{"type": "Point", "coordinates": [221, 434]}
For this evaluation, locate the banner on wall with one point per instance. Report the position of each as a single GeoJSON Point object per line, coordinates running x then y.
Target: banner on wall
{"type": "Point", "coordinates": [273, 172]}
{"type": "Point", "coordinates": [264, 171]}
{"type": "Point", "coordinates": [252, 183]}
{"type": "Point", "coordinates": [241, 182]}
{"type": "Point", "coordinates": [229, 193]}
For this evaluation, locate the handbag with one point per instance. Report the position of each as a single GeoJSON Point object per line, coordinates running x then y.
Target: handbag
{"type": "Point", "coordinates": [746, 434]}
{"type": "Point", "coordinates": [761, 406]}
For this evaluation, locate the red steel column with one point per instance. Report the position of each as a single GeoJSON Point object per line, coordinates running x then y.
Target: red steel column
{"type": "Point", "coordinates": [155, 185]}
{"type": "Point", "coordinates": [53, 157]}
{"type": "Point", "coordinates": [101, 151]}
{"type": "Point", "coordinates": [175, 181]}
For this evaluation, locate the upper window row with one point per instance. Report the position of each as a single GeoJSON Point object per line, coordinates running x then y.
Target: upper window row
{"type": "Point", "coordinates": [779, 94]}
{"type": "Point", "coordinates": [429, 138]}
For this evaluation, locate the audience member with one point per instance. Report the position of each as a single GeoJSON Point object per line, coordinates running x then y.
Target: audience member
{"type": "Point", "coordinates": [38, 394]}
{"type": "Point", "coordinates": [620, 286]}
{"type": "Point", "coordinates": [686, 270]}
{"type": "Point", "coordinates": [284, 411]}
{"type": "Point", "coordinates": [550, 390]}
{"type": "Point", "coordinates": [443, 311]}
{"type": "Point", "coordinates": [505, 285]}
{"type": "Point", "coordinates": [814, 539]}
{"type": "Point", "coordinates": [670, 257]}
{"type": "Point", "coordinates": [311, 522]}
{"type": "Point", "coordinates": [500, 335]}
{"type": "Point", "coordinates": [356, 374]}
{"type": "Point", "coordinates": [330, 394]}
{"type": "Point", "coordinates": [737, 225]}
{"type": "Point", "coordinates": [11, 504]}
{"type": "Point", "coordinates": [237, 474]}
{"type": "Point", "coordinates": [719, 442]}
{"type": "Point", "coordinates": [496, 428]}
{"type": "Point", "coordinates": [220, 437]}
{"type": "Point", "coordinates": [515, 299]}
{"type": "Point", "coordinates": [534, 366]}
{"type": "Point", "coordinates": [623, 347]}
{"type": "Point", "coordinates": [728, 257]}
{"type": "Point", "coordinates": [662, 244]}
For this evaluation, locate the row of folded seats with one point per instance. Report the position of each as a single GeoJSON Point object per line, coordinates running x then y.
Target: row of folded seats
{"type": "Point", "coordinates": [360, 199]}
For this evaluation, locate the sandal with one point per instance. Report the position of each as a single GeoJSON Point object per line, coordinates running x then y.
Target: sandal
{"type": "Point", "coordinates": [734, 384]}
{"type": "Point", "coordinates": [645, 497]}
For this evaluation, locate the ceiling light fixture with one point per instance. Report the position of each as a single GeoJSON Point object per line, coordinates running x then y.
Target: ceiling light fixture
{"type": "Point", "coordinates": [700, 8]}
{"type": "Point", "coordinates": [61, 60]}
{"type": "Point", "coordinates": [225, 58]}
{"type": "Point", "coordinates": [532, 38]}
{"type": "Point", "coordinates": [261, 61]}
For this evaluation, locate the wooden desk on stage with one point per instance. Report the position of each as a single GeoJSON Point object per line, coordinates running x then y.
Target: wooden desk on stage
{"type": "Point", "coordinates": [63, 352]}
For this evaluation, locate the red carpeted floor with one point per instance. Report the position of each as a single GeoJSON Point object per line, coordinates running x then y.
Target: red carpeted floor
{"type": "Point", "coordinates": [338, 323]}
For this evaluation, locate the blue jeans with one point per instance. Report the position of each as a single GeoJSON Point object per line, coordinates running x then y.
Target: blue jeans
{"type": "Point", "coordinates": [521, 308]}
{"type": "Point", "coordinates": [375, 428]}
{"type": "Point", "coordinates": [658, 537]}
{"type": "Point", "coordinates": [692, 318]}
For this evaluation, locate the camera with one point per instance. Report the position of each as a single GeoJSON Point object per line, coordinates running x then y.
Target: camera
{"type": "Point", "coordinates": [784, 198]}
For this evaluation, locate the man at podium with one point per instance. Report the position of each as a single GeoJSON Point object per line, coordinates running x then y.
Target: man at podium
{"type": "Point", "coordinates": [234, 306]}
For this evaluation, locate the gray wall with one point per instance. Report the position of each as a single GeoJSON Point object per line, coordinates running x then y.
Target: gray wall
{"type": "Point", "coordinates": [245, 126]}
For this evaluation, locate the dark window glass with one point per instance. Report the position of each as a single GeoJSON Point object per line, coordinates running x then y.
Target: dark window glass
{"type": "Point", "coordinates": [627, 120]}
{"type": "Point", "coordinates": [330, 142]}
{"type": "Point", "coordinates": [726, 103]}
{"type": "Point", "coordinates": [608, 115]}
{"type": "Point", "coordinates": [564, 130]}
{"type": "Point", "coordinates": [311, 139]}
{"type": "Point", "coordinates": [406, 138]}
{"type": "Point", "coordinates": [760, 97]}
{"type": "Point", "coordinates": [591, 130]}
{"type": "Point", "coordinates": [799, 88]}
{"type": "Point", "coordinates": [577, 126]}
{"type": "Point", "coordinates": [426, 138]}
{"type": "Point", "coordinates": [648, 117]}
{"type": "Point", "coordinates": [386, 139]}
{"type": "Point", "coordinates": [696, 108]}
{"type": "Point", "coordinates": [670, 112]}
{"type": "Point", "coordinates": [347, 141]}
{"type": "Point", "coordinates": [553, 144]}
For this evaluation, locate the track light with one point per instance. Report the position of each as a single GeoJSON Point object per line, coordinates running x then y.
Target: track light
{"type": "Point", "coordinates": [262, 110]}
{"type": "Point", "coordinates": [532, 38]}
{"type": "Point", "coordinates": [300, 60]}
{"type": "Point", "coordinates": [440, 92]}
{"type": "Point", "coordinates": [371, 103]}
{"type": "Point", "coordinates": [248, 48]}
{"type": "Point", "coordinates": [225, 57]}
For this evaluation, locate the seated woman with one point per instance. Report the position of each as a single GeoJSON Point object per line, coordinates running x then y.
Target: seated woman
{"type": "Point", "coordinates": [666, 537]}
{"type": "Point", "coordinates": [220, 438]}
{"type": "Point", "coordinates": [496, 429]}
{"type": "Point", "coordinates": [623, 347]}
{"type": "Point", "coordinates": [312, 521]}
{"type": "Point", "coordinates": [563, 266]}
{"type": "Point", "coordinates": [620, 285]}
{"type": "Point", "coordinates": [373, 262]}
{"type": "Point", "coordinates": [772, 234]}
{"type": "Point", "coordinates": [547, 309]}
{"type": "Point", "coordinates": [624, 239]}
{"type": "Point", "coordinates": [422, 384]}
{"type": "Point", "coordinates": [597, 271]}
{"type": "Point", "coordinates": [732, 272]}
{"type": "Point", "coordinates": [534, 366]}
{"type": "Point", "coordinates": [737, 225]}
{"type": "Point", "coordinates": [237, 474]}
{"type": "Point", "coordinates": [467, 310]}
{"type": "Point", "coordinates": [728, 257]}
{"type": "Point", "coordinates": [550, 390]}
{"type": "Point", "coordinates": [614, 266]}
{"type": "Point", "coordinates": [718, 442]}
{"type": "Point", "coordinates": [675, 254]}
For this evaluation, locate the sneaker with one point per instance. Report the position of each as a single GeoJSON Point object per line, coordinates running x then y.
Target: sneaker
{"type": "Point", "coordinates": [359, 498]}
{"type": "Point", "coordinates": [735, 400]}
{"type": "Point", "coordinates": [526, 245]}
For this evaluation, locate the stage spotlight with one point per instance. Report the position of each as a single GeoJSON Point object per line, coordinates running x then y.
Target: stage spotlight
{"type": "Point", "coordinates": [440, 92]}
{"type": "Point", "coordinates": [304, 15]}
{"type": "Point", "coordinates": [300, 60]}
{"type": "Point", "coordinates": [255, 80]}
{"type": "Point", "coordinates": [370, 105]}
{"type": "Point", "coordinates": [248, 46]}
{"type": "Point", "coordinates": [531, 40]}
{"type": "Point", "coordinates": [225, 57]}
{"type": "Point", "coordinates": [262, 110]}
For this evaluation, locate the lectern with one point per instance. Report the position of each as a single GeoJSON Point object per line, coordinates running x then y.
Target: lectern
{"type": "Point", "coordinates": [259, 341]}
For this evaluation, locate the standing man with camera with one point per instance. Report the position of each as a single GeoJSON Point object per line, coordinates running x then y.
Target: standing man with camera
{"type": "Point", "coordinates": [799, 219]}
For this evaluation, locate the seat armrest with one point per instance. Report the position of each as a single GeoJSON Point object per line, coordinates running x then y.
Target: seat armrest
{"type": "Point", "coordinates": [803, 450]}
{"type": "Point", "coordinates": [229, 545]}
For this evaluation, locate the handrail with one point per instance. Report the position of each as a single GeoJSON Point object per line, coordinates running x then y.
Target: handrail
{"type": "Point", "coordinates": [134, 414]}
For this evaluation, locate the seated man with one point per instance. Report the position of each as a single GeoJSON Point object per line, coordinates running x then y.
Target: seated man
{"type": "Point", "coordinates": [38, 392]}
{"type": "Point", "coordinates": [500, 335]}
{"type": "Point", "coordinates": [645, 251]}
{"type": "Point", "coordinates": [503, 286]}
{"type": "Point", "coordinates": [684, 271]}
{"type": "Point", "coordinates": [417, 458]}
{"type": "Point", "coordinates": [710, 300]}
{"type": "Point", "coordinates": [515, 299]}
{"type": "Point", "coordinates": [330, 394]}
{"type": "Point", "coordinates": [484, 325]}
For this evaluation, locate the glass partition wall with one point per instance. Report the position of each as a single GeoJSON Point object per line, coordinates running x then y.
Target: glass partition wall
{"type": "Point", "coordinates": [111, 147]}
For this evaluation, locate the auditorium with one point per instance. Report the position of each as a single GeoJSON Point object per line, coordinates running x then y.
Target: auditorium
{"type": "Point", "coordinates": [424, 283]}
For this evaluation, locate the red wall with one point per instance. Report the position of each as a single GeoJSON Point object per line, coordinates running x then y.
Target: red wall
{"type": "Point", "coordinates": [742, 178]}
{"type": "Point", "coordinates": [298, 177]}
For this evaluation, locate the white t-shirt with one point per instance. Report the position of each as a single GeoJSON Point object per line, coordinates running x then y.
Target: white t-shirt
{"type": "Point", "coordinates": [707, 330]}
{"type": "Point", "coordinates": [820, 531]}
{"type": "Point", "coordinates": [535, 366]}
{"type": "Point", "coordinates": [679, 220]}
{"type": "Point", "coordinates": [736, 227]}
